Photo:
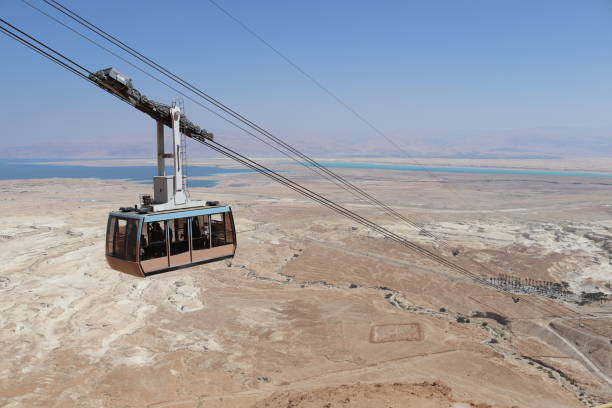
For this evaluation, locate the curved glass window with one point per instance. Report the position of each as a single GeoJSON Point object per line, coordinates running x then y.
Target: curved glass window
{"type": "Point", "coordinates": [200, 232]}
{"type": "Point", "coordinates": [178, 236]}
{"type": "Point", "coordinates": [229, 228]}
{"type": "Point", "coordinates": [152, 241]}
{"type": "Point", "coordinates": [121, 238]}
{"type": "Point", "coordinates": [217, 224]}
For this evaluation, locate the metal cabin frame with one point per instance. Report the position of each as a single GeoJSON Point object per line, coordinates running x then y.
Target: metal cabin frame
{"type": "Point", "coordinates": [202, 232]}
{"type": "Point", "coordinates": [134, 264]}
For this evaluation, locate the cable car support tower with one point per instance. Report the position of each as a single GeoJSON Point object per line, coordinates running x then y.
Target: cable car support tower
{"type": "Point", "coordinates": [169, 191]}
{"type": "Point", "coordinates": [168, 230]}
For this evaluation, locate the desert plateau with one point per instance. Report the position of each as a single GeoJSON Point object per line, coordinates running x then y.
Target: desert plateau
{"type": "Point", "coordinates": [315, 310]}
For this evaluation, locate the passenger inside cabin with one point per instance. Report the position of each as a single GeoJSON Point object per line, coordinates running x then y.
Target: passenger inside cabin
{"type": "Point", "coordinates": [200, 232]}
{"type": "Point", "coordinates": [157, 234]}
{"type": "Point", "coordinates": [155, 246]}
{"type": "Point", "coordinates": [196, 229]}
{"type": "Point", "coordinates": [143, 244]}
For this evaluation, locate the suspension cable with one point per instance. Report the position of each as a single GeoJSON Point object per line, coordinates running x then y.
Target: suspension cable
{"type": "Point", "coordinates": [254, 165]}
{"type": "Point", "coordinates": [312, 164]}
{"type": "Point", "coordinates": [268, 172]}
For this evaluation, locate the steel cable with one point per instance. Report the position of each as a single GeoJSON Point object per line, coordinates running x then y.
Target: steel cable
{"type": "Point", "coordinates": [268, 172]}
{"type": "Point", "coordinates": [313, 165]}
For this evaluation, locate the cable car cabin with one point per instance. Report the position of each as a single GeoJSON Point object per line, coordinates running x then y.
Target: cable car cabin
{"type": "Point", "coordinates": [145, 244]}
{"type": "Point", "coordinates": [168, 230]}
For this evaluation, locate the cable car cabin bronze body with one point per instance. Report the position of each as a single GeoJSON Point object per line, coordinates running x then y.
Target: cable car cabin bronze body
{"type": "Point", "coordinates": [168, 230]}
{"type": "Point", "coordinates": [145, 244]}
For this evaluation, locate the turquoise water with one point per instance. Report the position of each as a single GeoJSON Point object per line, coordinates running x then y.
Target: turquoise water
{"type": "Point", "coordinates": [27, 169]}
{"type": "Point", "coordinates": [444, 169]}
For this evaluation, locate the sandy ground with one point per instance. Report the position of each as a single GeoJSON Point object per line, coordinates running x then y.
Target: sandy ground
{"type": "Point", "coordinates": [313, 311]}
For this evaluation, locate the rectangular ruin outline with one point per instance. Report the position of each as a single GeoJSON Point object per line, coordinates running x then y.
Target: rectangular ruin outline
{"type": "Point", "coordinates": [418, 337]}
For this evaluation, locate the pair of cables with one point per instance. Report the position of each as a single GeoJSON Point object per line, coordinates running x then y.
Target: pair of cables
{"type": "Point", "coordinates": [77, 69]}
{"type": "Point", "coordinates": [246, 125]}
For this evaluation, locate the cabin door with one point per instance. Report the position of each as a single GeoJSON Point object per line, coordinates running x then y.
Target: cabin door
{"type": "Point", "coordinates": [153, 247]}
{"type": "Point", "coordinates": [178, 242]}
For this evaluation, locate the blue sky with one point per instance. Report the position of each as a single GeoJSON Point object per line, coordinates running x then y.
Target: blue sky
{"type": "Point", "coordinates": [428, 73]}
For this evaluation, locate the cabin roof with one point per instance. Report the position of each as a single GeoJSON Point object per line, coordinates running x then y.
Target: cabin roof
{"type": "Point", "coordinates": [172, 214]}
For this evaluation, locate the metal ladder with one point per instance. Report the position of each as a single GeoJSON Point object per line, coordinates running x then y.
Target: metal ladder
{"type": "Point", "coordinates": [180, 102]}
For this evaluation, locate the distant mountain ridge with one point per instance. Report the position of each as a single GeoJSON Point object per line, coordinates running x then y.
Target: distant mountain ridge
{"type": "Point", "coordinates": [544, 143]}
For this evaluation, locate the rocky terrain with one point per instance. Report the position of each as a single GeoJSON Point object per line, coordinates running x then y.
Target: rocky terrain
{"type": "Point", "coordinates": [315, 311]}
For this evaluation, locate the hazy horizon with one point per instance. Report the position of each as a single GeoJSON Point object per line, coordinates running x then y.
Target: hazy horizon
{"type": "Point", "coordinates": [546, 145]}
{"type": "Point", "coordinates": [443, 78]}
